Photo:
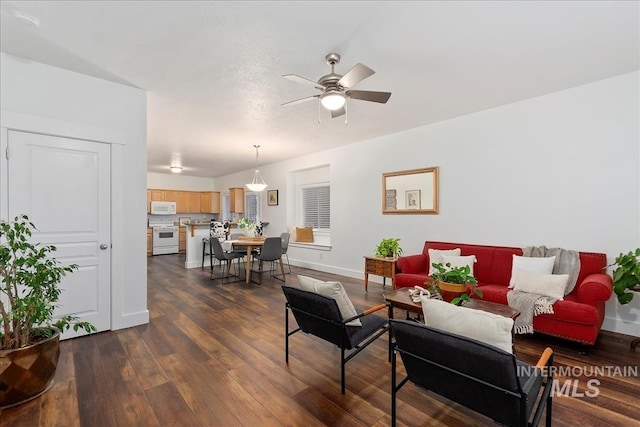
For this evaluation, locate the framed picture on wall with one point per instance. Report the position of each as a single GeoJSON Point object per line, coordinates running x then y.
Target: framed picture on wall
{"type": "Point", "coordinates": [272, 198]}
{"type": "Point", "coordinates": [412, 199]}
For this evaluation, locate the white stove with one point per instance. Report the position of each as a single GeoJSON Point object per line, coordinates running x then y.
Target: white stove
{"type": "Point", "coordinates": [165, 237]}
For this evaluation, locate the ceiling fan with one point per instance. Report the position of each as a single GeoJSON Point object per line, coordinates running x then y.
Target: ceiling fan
{"type": "Point", "coordinates": [336, 88]}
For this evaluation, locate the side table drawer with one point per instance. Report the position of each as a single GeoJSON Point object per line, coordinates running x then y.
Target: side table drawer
{"type": "Point", "coordinates": [377, 268]}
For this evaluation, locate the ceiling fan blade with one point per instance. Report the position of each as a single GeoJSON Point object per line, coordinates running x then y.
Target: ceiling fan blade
{"type": "Point", "coordinates": [355, 75]}
{"type": "Point", "coordinates": [307, 82]}
{"type": "Point", "coordinates": [300, 101]}
{"type": "Point", "coordinates": [368, 95]}
{"type": "Point", "coordinates": [337, 113]}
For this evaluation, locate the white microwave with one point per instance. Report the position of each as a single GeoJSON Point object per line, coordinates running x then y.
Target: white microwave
{"type": "Point", "coordinates": [163, 208]}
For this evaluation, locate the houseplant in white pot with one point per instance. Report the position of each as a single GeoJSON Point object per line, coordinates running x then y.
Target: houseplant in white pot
{"type": "Point", "coordinates": [29, 334]}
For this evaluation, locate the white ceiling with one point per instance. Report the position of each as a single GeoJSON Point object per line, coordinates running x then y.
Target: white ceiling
{"type": "Point", "coordinates": [212, 70]}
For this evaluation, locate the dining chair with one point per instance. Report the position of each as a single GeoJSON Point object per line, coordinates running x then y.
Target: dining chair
{"type": "Point", "coordinates": [216, 229]}
{"type": "Point", "coordinates": [218, 253]}
{"type": "Point", "coordinates": [285, 247]}
{"type": "Point", "coordinates": [271, 251]}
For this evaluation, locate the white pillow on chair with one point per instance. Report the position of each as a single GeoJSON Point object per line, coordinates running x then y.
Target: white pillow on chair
{"type": "Point", "coordinates": [333, 290]}
{"type": "Point", "coordinates": [480, 325]}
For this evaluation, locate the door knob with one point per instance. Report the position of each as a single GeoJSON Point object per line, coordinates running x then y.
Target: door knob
{"type": "Point", "coordinates": [104, 246]}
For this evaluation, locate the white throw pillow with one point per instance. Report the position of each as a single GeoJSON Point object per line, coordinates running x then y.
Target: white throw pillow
{"type": "Point", "coordinates": [529, 263]}
{"type": "Point", "coordinates": [551, 285]}
{"type": "Point", "coordinates": [480, 325]}
{"type": "Point", "coordinates": [332, 290]}
{"type": "Point", "coordinates": [435, 256]}
{"type": "Point", "coordinates": [460, 261]}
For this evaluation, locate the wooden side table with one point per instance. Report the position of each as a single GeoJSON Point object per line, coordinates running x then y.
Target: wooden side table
{"type": "Point", "coordinates": [385, 267]}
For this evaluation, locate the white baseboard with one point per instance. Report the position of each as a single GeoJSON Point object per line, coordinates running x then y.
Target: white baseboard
{"type": "Point", "coordinates": [621, 326]}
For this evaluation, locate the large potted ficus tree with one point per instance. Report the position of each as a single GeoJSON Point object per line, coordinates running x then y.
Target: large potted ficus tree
{"type": "Point", "coordinates": [29, 334]}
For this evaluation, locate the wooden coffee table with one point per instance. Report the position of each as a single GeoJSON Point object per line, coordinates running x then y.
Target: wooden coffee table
{"type": "Point", "coordinates": [401, 299]}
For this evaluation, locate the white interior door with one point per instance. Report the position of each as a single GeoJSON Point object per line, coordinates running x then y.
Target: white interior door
{"type": "Point", "coordinates": [63, 185]}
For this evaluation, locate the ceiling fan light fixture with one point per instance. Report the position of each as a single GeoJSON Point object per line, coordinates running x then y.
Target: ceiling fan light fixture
{"type": "Point", "coordinates": [258, 183]}
{"type": "Point", "coordinates": [175, 169]}
{"type": "Point", "coordinates": [332, 100]}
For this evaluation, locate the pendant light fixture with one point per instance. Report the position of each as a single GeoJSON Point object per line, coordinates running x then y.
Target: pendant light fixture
{"type": "Point", "coordinates": [258, 183]}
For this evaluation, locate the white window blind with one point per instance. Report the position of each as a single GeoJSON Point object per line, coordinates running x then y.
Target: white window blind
{"type": "Point", "coordinates": [316, 206]}
{"type": "Point", "coordinates": [251, 203]}
{"type": "Point", "coordinates": [226, 208]}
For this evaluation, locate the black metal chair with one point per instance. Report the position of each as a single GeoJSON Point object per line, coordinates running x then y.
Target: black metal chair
{"type": "Point", "coordinates": [285, 247]}
{"type": "Point", "coordinates": [227, 257]}
{"type": "Point", "coordinates": [319, 315]}
{"type": "Point", "coordinates": [476, 375]}
{"type": "Point", "coordinates": [270, 251]}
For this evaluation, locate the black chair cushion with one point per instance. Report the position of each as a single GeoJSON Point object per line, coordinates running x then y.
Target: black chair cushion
{"type": "Point", "coordinates": [370, 324]}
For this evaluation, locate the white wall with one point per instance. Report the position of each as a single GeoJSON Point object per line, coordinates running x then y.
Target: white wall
{"type": "Point", "coordinates": [40, 98]}
{"type": "Point", "coordinates": [165, 181]}
{"type": "Point", "coordinates": [560, 170]}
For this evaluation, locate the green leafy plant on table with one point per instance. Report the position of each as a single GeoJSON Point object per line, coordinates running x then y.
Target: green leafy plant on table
{"type": "Point", "coordinates": [626, 276]}
{"type": "Point", "coordinates": [389, 248]}
{"type": "Point", "coordinates": [455, 280]}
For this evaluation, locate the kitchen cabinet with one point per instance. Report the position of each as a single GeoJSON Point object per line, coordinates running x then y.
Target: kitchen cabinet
{"type": "Point", "coordinates": [149, 241]}
{"type": "Point", "coordinates": [210, 202]}
{"type": "Point", "coordinates": [181, 202]}
{"type": "Point", "coordinates": [157, 195]}
{"type": "Point", "coordinates": [193, 201]}
{"type": "Point", "coordinates": [205, 202]}
{"type": "Point", "coordinates": [215, 202]}
{"type": "Point", "coordinates": [236, 200]}
{"type": "Point", "coordinates": [189, 201]}
{"type": "Point", "coordinates": [182, 240]}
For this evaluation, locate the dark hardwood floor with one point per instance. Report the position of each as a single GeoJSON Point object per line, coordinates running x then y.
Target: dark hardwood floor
{"type": "Point", "coordinates": [213, 355]}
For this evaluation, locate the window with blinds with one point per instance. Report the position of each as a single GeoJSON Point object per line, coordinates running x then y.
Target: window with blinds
{"type": "Point", "coordinates": [251, 204]}
{"type": "Point", "coordinates": [316, 206]}
{"type": "Point", "coordinates": [226, 208]}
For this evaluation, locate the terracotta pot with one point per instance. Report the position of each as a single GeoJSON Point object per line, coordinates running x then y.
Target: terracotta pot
{"type": "Point", "coordinates": [27, 372]}
{"type": "Point", "coordinates": [450, 291]}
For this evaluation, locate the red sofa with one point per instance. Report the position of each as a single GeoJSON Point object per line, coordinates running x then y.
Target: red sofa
{"type": "Point", "coordinates": [578, 317]}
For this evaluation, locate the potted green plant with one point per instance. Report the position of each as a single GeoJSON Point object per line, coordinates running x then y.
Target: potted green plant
{"type": "Point", "coordinates": [454, 282]}
{"type": "Point", "coordinates": [246, 224]}
{"type": "Point", "coordinates": [29, 334]}
{"type": "Point", "coordinates": [626, 276]}
{"type": "Point", "coordinates": [389, 248]}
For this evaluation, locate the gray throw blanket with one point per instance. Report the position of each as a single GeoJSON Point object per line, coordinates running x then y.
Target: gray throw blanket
{"type": "Point", "coordinates": [528, 304]}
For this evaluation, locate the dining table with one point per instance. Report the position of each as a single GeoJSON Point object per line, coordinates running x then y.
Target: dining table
{"type": "Point", "coordinates": [248, 242]}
